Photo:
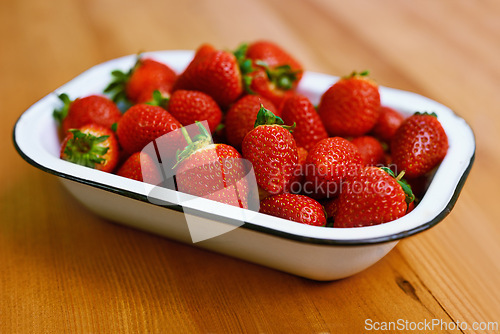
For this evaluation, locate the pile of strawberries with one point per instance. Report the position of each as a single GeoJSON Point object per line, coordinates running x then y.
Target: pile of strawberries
{"type": "Point", "coordinates": [340, 163]}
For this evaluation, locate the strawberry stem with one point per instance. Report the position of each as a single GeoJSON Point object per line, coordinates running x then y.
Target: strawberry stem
{"type": "Point", "coordinates": [201, 140]}
{"type": "Point", "coordinates": [186, 136]}
{"type": "Point", "coordinates": [400, 176]}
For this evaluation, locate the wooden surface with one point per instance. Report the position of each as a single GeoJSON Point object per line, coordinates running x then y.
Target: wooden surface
{"type": "Point", "coordinates": [63, 269]}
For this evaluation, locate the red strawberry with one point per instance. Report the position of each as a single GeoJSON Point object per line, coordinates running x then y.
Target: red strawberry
{"type": "Point", "coordinates": [189, 106]}
{"type": "Point", "coordinates": [142, 123]}
{"type": "Point", "coordinates": [298, 208]}
{"type": "Point", "coordinates": [241, 116]}
{"type": "Point", "coordinates": [273, 56]}
{"type": "Point", "coordinates": [141, 167]}
{"type": "Point", "coordinates": [302, 152]}
{"type": "Point", "coordinates": [327, 164]}
{"type": "Point", "coordinates": [387, 123]}
{"type": "Point", "coordinates": [351, 106]}
{"type": "Point", "coordinates": [91, 145]}
{"type": "Point", "coordinates": [309, 127]}
{"type": "Point", "coordinates": [271, 149]}
{"type": "Point", "coordinates": [215, 73]}
{"type": "Point", "coordinates": [419, 145]}
{"type": "Point", "coordinates": [139, 83]}
{"type": "Point", "coordinates": [212, 171]}
{"type": "Point", "coordinates": [372, 196]}
{"type": "Point", "coordinates": [371, 150]}
{"type": "Point", "coordinates": [94, 109]}
{"type": "Point", "coordinates": [272, 72]}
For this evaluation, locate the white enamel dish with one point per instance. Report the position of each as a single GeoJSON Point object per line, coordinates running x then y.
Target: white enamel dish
{"type": "Point", "coordinates": [317, 253]}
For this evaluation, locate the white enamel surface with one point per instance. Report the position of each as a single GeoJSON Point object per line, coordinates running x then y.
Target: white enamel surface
{"type": "Point", "coordinates": [318, 262]}
{"type": "Point", "coordinates": [36, 137]}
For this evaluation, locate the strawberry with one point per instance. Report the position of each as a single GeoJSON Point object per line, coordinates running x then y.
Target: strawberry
{"type": "Point", "coordinates": [302, 153]}
{"type": "Point", "coordinates": [141, 167]}
{"type": "Point", "coordinates": [273, 56]}
{"type": "Point", "coordinates": [141, 124]}
{"type": "Point", "coordinates": [91, 145]}
{"type": "Point", "coordinates": [297, 208]}
{"type": "Point", "coordinates": [419, 145]}
{"type": "Point", "coordinates": [387, 124]}
{"type": "Point", "coordinates": [268, 70]}
{"type": "Point", "coordinates": [189, 106]}
{"type": "Point", "coordinates": [212, 171]}
{"type": "Point", "coordinates": [327, 164]}
{"type": "Point", "coordinates": [372, 196]}
{"type": "Point", "coordinates": [351, 106]}
{"type": "Point", "coordinates": [214, 72]}
{"type": "Point", "coordinates": [138, 84]}
{"type": "Point", "coordinates": [241, 116]}
{"type": "Point", "coordinates": [298, 109]}
{"type": "Point", "coordinates": [94, 109]}
{"type": "Point", "coordinates": [371, 150]}
{"type": "Point", "coordinates": [271, 149]}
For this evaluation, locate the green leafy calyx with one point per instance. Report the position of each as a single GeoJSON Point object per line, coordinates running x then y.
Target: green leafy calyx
{"type": "Point", "coordinates": [203, 139]}
{"type": "Point", "coordinates": [85, 149]}
{"type": "Point", "coordinates": [425, 113]}
{"type": "Point", "coordinates": [246, 66]}
{"type": "Point", "coordinates": [159, 100]}
{"type": "Point", "coordinates": [266, 117]}
{"type": "Point", "coordinates": [354, 74]}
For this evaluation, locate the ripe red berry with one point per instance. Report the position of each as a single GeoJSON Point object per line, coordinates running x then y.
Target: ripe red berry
{"type": "Point", "coordinates": [214, 72]}
{"type": "Point", "coordinates": [371, 150]}
{"type": "Point", "coordinates": [309, 128]}
{"type": "Point", "coordinates": [141, 167]}
{"type": "Point", "coordinates": [271, 149]}
{"type": "Point", "coordinates": [327, 164]}
{"type": "Point", "coordinates": [138, 84]}
{"type": "Point", "coordinates": [189, 106]}
{"type": "Point", "coordinates": [92, 109]}
{"type": "Point", "coordinates": [297, 208]}
{"type": "Point", "coordinates": [372, 196]}
{"type": "Point", "coordinates": [351, 106]}
{"type": "Point", "coordinates": [419, 145]}
{"type": "Point", "coordinates": [91, 145]}
{"type": "Point", "coordinates": [142, 123]}
{"type": "Point", "coordinates": [387, 123]}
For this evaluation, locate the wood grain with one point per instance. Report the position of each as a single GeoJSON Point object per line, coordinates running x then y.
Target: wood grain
{"type": "Point", "coordinates": [63, 269]}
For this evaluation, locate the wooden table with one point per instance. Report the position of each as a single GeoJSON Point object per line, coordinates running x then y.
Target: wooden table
{"type": "Point", "coordinates": [64, 269]}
